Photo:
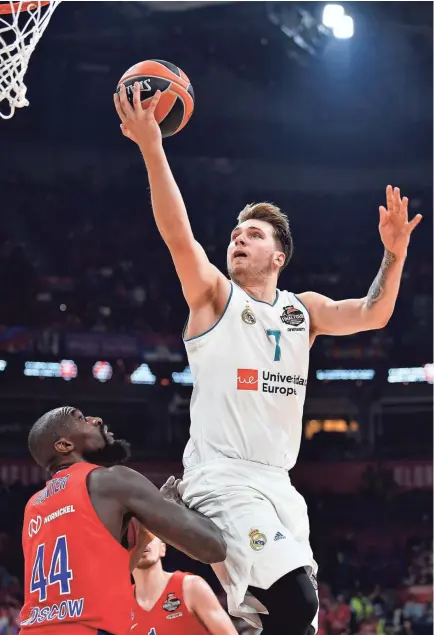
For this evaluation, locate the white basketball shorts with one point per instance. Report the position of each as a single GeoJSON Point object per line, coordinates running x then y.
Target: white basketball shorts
{"type": "Point", "coordinates": [263, 520]}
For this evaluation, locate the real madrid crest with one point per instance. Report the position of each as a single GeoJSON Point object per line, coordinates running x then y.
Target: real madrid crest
{"type": "Point", "coordinates": [258, 540]}
{"type": "Point", "coordinates": [247, 316]}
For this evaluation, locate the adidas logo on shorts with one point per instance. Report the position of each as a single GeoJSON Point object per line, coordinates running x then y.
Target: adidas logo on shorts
{"type": "Point", "coordinates": [279, 536]}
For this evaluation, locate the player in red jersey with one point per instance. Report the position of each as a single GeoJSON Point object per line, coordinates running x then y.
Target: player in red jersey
{"type": "Point", "coordinates": [77, 574]}
{"type": "Point", "coordinates": [174, 603]}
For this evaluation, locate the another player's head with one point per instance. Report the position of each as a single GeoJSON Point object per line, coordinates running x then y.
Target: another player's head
{"type": "Point", "coordinates": [152, 555]}
{"type": "Point", "coordinates": [64, 436]}
{"type": "Point", "coordinates": [261, 244]}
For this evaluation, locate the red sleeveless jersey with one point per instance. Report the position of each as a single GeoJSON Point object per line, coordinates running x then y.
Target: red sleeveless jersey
{"type": "Point", "coordinates": [77, 576]}
{"type": "Point", "coordinates": [170, 614]}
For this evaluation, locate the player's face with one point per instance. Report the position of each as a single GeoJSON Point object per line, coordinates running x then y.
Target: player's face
{"type": "Point", "coordinates": [93, 440]}
{"type": "Point", "coordinates": [93, 434]}
{"type": "Point", "coordinates": [152, 554]}
{"type": "Point", "coordinates": [252, 253]}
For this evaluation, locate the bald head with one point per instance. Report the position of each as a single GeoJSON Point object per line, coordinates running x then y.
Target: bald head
{"type": "Point", "coordinates": [46, 431]}
{"type": "Point", "coordinates": [65, 436]}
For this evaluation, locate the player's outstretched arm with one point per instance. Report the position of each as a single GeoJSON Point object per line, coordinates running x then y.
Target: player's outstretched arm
{"type": "Point", "coordinates": [345, 317]}
{"type": "Point", "coordinates": [127, 491]}
{"type": "Point", "coordinates": [200, 280]}
{"type": "Point", "coordinates": [204, 605]}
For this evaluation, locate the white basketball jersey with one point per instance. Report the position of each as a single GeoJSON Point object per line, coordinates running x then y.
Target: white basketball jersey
{"type": "Point", "coordinates": [249, 382]}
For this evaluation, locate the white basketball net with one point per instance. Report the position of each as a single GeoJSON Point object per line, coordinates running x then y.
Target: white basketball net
{"type": "Point", "coordinates": [20, 31]}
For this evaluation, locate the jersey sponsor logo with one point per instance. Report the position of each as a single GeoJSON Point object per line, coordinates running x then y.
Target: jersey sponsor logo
{"type": "Point", "coordinates": [68, 608]}
{"type": "Point", "coordinates": [68, 509]}
{"type": "Point", "coordinates": [35, 525]}
{"type": "Point", "coordinates": [258, 540]}
{"type": "Point", "coordinates": [173, 615]}
{"type": "Point", "coordinates": [171, 603]}
{"type": "Point", "coordinates": [247, 316]}
{"type": "Point", "coordinates": [291, 316]}
{"type": "Point", "coordinates": [53, 487]}
{"type": "Point", "coordinates": [274, 383]}
{"type": "Point", "coordinates": [279, 536]}
{"type": "Point", "coordinates": [247, 379]}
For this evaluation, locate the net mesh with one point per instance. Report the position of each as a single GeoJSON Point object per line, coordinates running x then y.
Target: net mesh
{"type": "Point", "coordinates": [21, 27]}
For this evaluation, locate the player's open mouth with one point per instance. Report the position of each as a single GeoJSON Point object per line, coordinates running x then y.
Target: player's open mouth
{"type": "Point", "coordinates": [239, 254]}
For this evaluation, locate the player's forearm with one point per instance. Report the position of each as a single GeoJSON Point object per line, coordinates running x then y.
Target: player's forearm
{"type": "Point", "coordinates": [380, 301]}
{"type": "Point", "coordinates": [167, 203]}
{"type": "Point", "coordinates": [200, 538]}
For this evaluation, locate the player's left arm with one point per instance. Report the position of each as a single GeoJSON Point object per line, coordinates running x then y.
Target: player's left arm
{"type": "Point", "coordinates": [206, 608]}
{"type": "Point", "coordinates": [344, 317]}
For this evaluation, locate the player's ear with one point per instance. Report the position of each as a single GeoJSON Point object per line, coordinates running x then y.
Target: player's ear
{"type": "Point", "coordinates": [163, 549]}
{"type": "Point", "coordinates": [280, 258]}
{"type": "Point", "coordinates": [63, 446]}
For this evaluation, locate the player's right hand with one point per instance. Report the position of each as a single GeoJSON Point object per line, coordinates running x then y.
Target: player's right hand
{"type": "Point", "coordinates": [139, 124]}
{"type": "Point", "coordinates": [170, 490]}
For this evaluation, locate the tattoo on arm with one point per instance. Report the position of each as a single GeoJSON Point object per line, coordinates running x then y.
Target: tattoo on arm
{"type": "Point", "coordinates": [377, 287]}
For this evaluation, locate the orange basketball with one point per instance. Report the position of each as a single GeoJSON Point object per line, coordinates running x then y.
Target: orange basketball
{"type": "Point", "coordinates": [176, 104]}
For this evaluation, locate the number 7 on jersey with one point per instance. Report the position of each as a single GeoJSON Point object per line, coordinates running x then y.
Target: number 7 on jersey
{"type": "Point", "coordinates": [276, 335]}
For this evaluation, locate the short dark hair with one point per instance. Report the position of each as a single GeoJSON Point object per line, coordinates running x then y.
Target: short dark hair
{"type": "Point", "coordinates": [278, 220]}
{"type": "Point", "coordinates": [45, 432]}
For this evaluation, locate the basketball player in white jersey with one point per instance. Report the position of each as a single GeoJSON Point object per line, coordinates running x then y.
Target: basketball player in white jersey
{"type": "Point", "coordinates": [248, 348]}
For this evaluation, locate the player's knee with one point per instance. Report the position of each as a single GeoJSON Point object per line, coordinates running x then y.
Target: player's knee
{"type": "Point", "coordinates": [297, 589]}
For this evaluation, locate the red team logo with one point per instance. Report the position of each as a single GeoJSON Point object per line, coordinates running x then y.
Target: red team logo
{"type": "Point", "coordinates": [247, 379]}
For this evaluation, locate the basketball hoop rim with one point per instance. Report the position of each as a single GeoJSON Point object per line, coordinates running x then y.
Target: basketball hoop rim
{"type": "Point", "coordinates": [14, 7]}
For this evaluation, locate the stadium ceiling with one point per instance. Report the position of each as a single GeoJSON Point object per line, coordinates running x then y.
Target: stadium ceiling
{"type": "Point", "coordinates": [185, 5]}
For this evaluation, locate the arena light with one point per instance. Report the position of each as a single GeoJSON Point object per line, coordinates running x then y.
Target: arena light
{"type": "Point", "coordinates": [66, 369]}
{"type": "Point", "coordinates": [102, 371]}
{"type": "Point", "coordinates": [344, 29]}
{"type": "Point", "coordinates": [3, 364]}
{"type": "Point", "coordinates": [332, 14]}
{"type": "Point", "coordinates": [349, 374]}
{"type": "Point", "coordinates": [184, 377]}
{"type": "Point", "coordinates": [313, 426]}
{"type": "Point", "coordinates": [335, 19]}
{"type": "Point", "coordinates": [416, 374]}
{"type": "Point", "coordinates": [143, 375]}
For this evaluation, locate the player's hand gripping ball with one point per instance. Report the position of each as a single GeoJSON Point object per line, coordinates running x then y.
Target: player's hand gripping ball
{"type": "Point", "coordinates": [175, 104]}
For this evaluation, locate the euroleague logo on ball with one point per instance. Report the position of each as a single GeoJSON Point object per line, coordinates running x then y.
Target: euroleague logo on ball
{"type": "Point", "coordinates": [145, 86]}
{"type": "Point", "coordinates": [176, 103]}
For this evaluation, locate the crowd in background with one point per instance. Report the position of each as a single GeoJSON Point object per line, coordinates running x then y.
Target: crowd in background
{"type": "Point", "coordinates": [77, 267]}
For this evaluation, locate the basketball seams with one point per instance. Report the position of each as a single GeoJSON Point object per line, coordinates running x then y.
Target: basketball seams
{"type": "Point", "coordinates": [169, 95]}
{"type": "Point", "coordinates": [171, 67]}
{"type": "Point", "coordinates": [157, 69]}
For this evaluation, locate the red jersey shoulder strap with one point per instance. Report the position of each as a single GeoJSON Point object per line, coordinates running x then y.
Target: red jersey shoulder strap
{"type": "Point", "coordinates": [175, 583]}
{"type": "Point", "coordinates": [173, 596]}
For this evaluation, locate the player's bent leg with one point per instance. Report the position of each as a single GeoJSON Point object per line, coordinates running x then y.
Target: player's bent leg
{"type": "Point", "coordinates": [292, 600]}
